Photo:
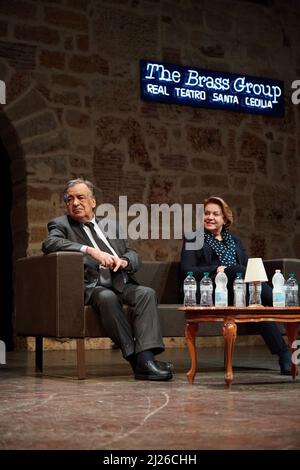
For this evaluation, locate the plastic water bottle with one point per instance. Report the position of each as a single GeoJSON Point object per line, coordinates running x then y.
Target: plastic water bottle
{"type": "Point", "coordinates": [239, 290]}
{"type": "Point", "coordinates": [254, 293]}
{"type": "Point", "coordinates": [221, 293]}
{"type": "Point", "coordinates": [278, 289]}
{"type": "Point", "coordinates": [189, 289]}
{"type": "Point", "coordinates": [206, 290]}
{"type": "Point", "coordinates": [291, 291]}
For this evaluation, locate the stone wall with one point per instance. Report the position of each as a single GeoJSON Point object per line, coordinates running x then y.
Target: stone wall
{"type": "Point", "coordinates": [73, 109]}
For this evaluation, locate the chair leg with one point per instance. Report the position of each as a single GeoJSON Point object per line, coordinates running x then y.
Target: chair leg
{"type": "Point", "coordinates": [80, 359]}
{"type": "Point", "coordinates": [39, 354]}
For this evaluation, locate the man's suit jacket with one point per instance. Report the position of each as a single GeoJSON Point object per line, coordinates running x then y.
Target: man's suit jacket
{"type": "Point", "coordinates": [65, 234]}
{"type": "Point", "coordinates": [205, 260]}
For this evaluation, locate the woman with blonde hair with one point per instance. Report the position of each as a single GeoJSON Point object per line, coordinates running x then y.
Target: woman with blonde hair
{"type": "Point", "coordinates": [223, 250]}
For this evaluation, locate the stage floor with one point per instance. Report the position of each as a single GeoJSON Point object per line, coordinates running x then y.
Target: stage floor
{"type": "Point", "coordinates": [112, 410]}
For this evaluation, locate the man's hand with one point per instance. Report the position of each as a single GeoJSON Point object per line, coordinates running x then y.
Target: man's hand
{"type": "Point", "coordinates": [119, 263]}
{"type": "Point", "coordinates": [105, 259]}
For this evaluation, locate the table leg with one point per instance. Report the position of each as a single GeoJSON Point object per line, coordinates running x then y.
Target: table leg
{"type": "Point", "coordinates": [190, 334]}
{"type": "Point", "coordinates": [229, 333]}
{"type": "Point", "coordinates": [292, 333]}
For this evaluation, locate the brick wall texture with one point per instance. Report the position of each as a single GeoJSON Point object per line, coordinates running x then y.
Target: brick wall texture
{"type": "Point", "coordinates": [73, 109]}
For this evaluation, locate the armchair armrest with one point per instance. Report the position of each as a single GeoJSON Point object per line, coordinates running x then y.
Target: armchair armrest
{"type": "Point", "coordinates": [49, 295]}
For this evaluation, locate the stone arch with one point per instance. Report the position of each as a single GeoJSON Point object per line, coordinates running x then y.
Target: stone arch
{"type": "Point", "coordinates": [28, 128]}
{"type": "Point", "coordinates": [14, 232]}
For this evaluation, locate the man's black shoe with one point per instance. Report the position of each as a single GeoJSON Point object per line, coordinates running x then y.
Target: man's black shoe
{"type": "Point", "coordinates": [285, 363]}
{"type": "Point", "coordinates": [164, 365]}
{"type": "Point", "coordinates": [150, 371]}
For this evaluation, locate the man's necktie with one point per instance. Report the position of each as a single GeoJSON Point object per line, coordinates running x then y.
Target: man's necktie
{"type": "Point", "coordinates": [107, 278]}
{"type": "Point", "coordinates": [101, 245]}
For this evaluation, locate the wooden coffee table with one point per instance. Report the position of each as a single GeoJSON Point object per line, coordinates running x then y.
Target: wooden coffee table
{"type": "Point", "coordinates": [230, 316]}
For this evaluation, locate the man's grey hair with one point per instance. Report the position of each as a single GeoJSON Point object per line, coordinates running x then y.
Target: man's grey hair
{"type": "Point", "coordinates": [71, 183]}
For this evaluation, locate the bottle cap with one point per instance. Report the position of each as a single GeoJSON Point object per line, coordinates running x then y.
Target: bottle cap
{"type": "Point", "coordinates": [291, 275]}
{"type": "Point", "coordinates": [206, 274]}
{"type": "Point", "coordinates": [190, 273]}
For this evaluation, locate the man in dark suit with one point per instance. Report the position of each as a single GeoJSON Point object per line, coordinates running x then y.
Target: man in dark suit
{"type": "Point", "coordinates": [109, 267]}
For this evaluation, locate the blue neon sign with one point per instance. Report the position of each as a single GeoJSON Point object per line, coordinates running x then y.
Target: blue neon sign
{"type": "Point", "coordinates": [169, 83]}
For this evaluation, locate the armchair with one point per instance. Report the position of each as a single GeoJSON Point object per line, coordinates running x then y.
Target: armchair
{"type": "Point", "coordinates": [49, 301]}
